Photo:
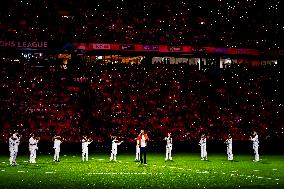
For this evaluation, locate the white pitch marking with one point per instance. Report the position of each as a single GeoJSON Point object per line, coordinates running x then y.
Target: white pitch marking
{"type": "Point", "coordinates": [21, 171]}
{"type": "Point", "coordinates": [202, 172]}
{"type": "Point", "coordinates": [2, 170]}
{"type": "Point", "coordinates": [3, 162]}
{"type": "Point", "coordinates": [256, 170]}
{"type": "Point", "coordinates": [274, 169]}
{"type": "Point", "coordinates": [121, 173]}
{"type": "Point", "coordinates": [101, 159]}
{"type": "Point", "coordinates": [49, 172]}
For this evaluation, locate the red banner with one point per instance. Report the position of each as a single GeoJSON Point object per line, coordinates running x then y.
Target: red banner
{"type": "Point", "coordinates": [169, 49]}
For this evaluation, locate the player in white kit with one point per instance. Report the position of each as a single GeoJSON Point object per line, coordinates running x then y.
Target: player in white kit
{"type": "Point", "coordinates": [57, 142]}
{"type": "Point", "coordinates": [114, 145]}
{"type": "Point", "coordinates": [33, 148]}
{"type": "Point", "coordinates": [169, 147]}
{"type": "Point", "coordinates": [137, 157]}
{"type": "Point", "coordinates": [255, 145]}
{"type": "Point", "coordinates": [229, 143]}
{"type": "Point", "coordinates": [11, 149]}
{"type": "Point", "coordinates": [85, 148]}
{"type": "Point", "coordinates": [202, 144]}
{"type": "Point", "coordinates": [14, 142]}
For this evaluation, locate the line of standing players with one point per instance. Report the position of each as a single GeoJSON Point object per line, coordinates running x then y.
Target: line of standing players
{"type": "Point", "coordinates": [141, 144]}
{"type": "Point", "coordinates": [229, 143]}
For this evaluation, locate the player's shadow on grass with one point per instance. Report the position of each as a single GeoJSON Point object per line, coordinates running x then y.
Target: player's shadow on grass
{"type": "Point", "coordinates": [65, 162]}
{"type": "Point", "coordinates": [115, 162]}
{"type": "Point", "coordinates": [206, 160]}
{"type": "Point", "coordinates": [145, 167]}
{"type": "Point", "coordinates": [169, 160]}
{"type": "Point", "coordinates": [264, 162]}
{"type": "Point", "coordinates": [44, 163]}
{"type": "Point", "coordinates": [234, 161]}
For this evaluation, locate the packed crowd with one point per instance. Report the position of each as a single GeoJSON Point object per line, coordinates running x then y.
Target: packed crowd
{"type": "Point", "coordinates": [121, 99]}
{"type": "Point", "coordinates": [239, 23]}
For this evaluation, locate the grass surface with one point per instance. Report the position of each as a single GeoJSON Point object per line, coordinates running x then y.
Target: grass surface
{"type": "Point", "coordinates": [186, 171]}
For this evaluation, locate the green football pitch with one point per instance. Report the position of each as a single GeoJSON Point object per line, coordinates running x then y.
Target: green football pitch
{"type": "Point", "coordinates": [185, 171]}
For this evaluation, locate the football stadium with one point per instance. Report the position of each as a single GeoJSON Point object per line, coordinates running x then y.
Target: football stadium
{"type": "Point", "coordinates": [141, 94]}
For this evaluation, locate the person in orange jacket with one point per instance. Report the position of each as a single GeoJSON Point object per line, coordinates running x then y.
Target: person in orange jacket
{"type": "Point", "coordinates": [143, 139]}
